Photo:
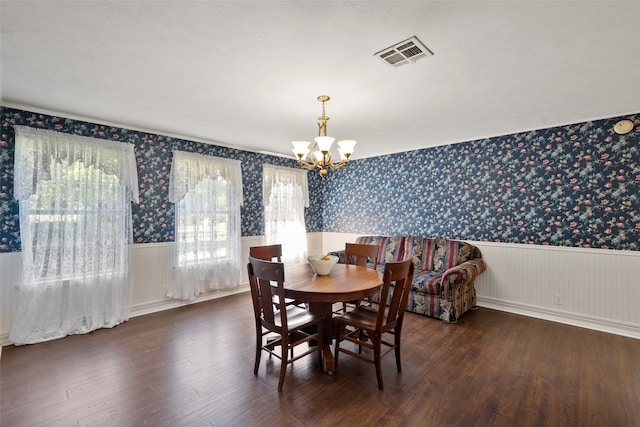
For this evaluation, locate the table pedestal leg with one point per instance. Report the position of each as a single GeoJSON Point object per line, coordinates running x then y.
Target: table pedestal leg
{"type": "Point", "coordinates": [328, 333]}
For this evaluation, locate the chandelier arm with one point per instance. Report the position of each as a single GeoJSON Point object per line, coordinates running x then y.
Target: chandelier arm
{"type": "Point", "coordinates": [339, 165]}
{"type": "Point", "coordinates": [307, 165]}
{"type": "Point", "coordinates": [310, 166]}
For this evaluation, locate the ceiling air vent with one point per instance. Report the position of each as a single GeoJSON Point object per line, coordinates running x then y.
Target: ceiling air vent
{"type": "Point", "coordinates": [407, 51]}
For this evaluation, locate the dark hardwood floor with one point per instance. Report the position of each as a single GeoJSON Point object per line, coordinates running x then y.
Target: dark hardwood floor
{"type": "Point", "coordinates": [193, 366]}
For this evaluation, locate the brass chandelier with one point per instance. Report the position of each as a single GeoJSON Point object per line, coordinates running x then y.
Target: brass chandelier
{"type": "Point", "coordinates": [320, 154]}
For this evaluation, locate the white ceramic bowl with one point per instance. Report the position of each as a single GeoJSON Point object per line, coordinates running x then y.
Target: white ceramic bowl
{"type": "Point", "coordinates": [322, 264]}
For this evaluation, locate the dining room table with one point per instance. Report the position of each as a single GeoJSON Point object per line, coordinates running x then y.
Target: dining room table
{"type": "Point", "coordinates": [344, 283]}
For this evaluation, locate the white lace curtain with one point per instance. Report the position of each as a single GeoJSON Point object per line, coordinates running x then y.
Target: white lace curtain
{"type": "Point", "coordinates": [285, 195]}
{"type": "Point", "coordinates": [207, 192]}
{"type": "Point", "coordinates": [75, 197]}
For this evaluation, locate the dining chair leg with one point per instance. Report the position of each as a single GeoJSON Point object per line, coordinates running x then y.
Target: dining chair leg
{"type": "Point", "coordinates": [258, 351]}
{"type": "Point", "coordinates": [337, 347]}
{"type": "Point", "coordinates": [363, 338]}
{"type": "Point", "coordinates": [397, 350]}
{"type": "Point", "coordinates": [377, 358]}
{"type": "Point", "coordinates": [284, 362]}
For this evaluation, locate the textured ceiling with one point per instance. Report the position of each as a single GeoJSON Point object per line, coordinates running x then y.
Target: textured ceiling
{"type": "Point", "coordinates": [247, 74]}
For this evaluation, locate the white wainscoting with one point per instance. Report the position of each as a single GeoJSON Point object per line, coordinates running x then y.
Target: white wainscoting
{"type": "Point", "coordinates": [596, 289]}
{"type": "Point", "coordinates": [152, 270]}
{"type": "Point", "coordinates": [10, 278]}
{"type": "Point", "coordinates": [591, 288]}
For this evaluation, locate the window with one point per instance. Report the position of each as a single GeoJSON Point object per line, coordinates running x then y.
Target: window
{"type": "Point", "coordinates": [204, 229]}
{"type": "Point", "coordinates": [75, 225]}
{"type": "Point", "coordinates": [207, 192]}
{"type": "Point", "coordinates": [285, 195]}
{"type": "Point", "coordinates": [75, 197]}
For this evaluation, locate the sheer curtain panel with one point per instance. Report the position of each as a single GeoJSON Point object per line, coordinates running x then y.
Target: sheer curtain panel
{"type": "Point", "coordinates": [207, 192]}
{"type": "Point", "coordinates": [285, 195]}
{"type": "Point", "coordinates": [75, 197]}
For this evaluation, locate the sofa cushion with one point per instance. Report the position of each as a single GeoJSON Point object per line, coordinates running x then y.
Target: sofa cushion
{"type": "Point", "coordinates": [449, 253]}
{"type": "Point", "coordinates": [423, 249]}
{"type": "Point", "coordinates": [427, 282]}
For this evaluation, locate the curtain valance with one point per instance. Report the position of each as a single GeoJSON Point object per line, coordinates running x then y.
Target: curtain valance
{"type": "Point", "coordinates": [188, 169]}
{"type": "Point", "coordinates": [37, 149]}
{"type": "Point", "coordinates": [273, 176]}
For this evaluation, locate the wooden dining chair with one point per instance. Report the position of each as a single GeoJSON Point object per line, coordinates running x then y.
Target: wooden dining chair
{"type": "Point", "coordinates": [292, 325]}
{"type": "Point", "coordinates": [368, 327]}
{"type": "Point", "coordinates": [358, 254]}
{"type": "Point", "coordinates": [272, 253]}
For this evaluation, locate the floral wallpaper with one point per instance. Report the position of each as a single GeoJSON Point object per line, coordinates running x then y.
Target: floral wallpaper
{"type": "Point", "coordinates": [576, 185]}
{"type": "Point", "coordinates": [153, 216]}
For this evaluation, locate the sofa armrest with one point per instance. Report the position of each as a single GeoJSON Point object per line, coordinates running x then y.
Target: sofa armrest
{"type": "Point", "coordinates": [340, 254]}
{"type": "Point", "coordinates": [461, 274]}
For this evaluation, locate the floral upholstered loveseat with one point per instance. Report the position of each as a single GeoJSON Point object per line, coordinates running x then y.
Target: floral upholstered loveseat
{"type": "Point", "coordinates": [445, 272]}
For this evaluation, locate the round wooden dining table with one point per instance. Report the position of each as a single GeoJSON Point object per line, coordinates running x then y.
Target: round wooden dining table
{"type": "Point", "coordinates": [344, 283]}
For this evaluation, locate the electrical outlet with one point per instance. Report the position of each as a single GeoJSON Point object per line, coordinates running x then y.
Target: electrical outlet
{"type": "Point", "coordinates": [557, 300]}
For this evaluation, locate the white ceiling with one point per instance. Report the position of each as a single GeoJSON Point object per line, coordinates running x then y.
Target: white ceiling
{"type": "Point", "coordinates": [247, 74]}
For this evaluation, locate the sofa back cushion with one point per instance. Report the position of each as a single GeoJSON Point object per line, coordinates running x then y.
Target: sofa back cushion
{"type": "Point", "coordinates": [389, 247]}
{"type": "Point", "coordinates": [422, 249]}
{"type": "Point", "coordinates": [428, 254]}
{"type": "Point", "coordinates": [449, 253]}
{"type": "Point", "coordinates": [438, 254]}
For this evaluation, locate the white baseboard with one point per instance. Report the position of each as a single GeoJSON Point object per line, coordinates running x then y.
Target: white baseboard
{"type": "Point", "coordinates": [612, 327]}
{"type": "Point", "coordinates": [154, 307]}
